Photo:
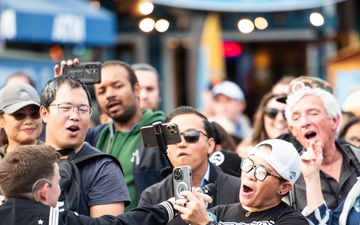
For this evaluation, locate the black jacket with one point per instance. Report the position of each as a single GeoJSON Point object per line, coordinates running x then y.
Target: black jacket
{"type": "Point", "coordinates": [228, 191]}
{"type": "Point", "coordinates": [18, 211]}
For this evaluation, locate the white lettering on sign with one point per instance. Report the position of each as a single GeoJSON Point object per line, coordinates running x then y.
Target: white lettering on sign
{"type": "Point", "coordinates": [8, 24]}
{"type": "Point", "coordinates": [68, 28]}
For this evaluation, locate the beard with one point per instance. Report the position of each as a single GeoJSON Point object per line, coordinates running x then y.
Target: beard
{"type": "Point", "coordinates": [127, 115]}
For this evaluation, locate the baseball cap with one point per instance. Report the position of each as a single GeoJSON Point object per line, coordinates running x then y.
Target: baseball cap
{"type": "Point", "coordinates": [229, 89]}
{"type": "Point", "coordinates": [283, 158]}
{"type": "Point", "coordinates": [306, 81]}
{"type": "Point", "coordinates": [352, 103]}
{"type": "Point", "coordinates": [16, 96]}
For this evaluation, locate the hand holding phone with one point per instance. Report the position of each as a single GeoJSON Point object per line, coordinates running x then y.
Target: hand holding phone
{"type": "Point", "coordinates": [182, 180]}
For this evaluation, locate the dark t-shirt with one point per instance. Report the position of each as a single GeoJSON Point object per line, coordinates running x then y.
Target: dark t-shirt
{"type": "Point", "coordinates": [235, 214]}
{"type": "Point", "coordinates": [102, 182]}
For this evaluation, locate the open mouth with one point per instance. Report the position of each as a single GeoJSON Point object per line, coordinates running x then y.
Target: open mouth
{"type": "Point", "coordinates": [73, 128]}
{"type": "Point", "coordinates": [310, 135]}
{"type": "Point", "coordinates": [247, 189]}
{"type": "Point", "coordinates": [113, 103]}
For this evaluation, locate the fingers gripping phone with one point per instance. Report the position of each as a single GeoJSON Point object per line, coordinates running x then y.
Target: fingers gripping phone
{"type": "Point", "coordinates": [182, 180]}
{"type": "Point", "coordinates": [170, 132]}
{"type": "Point", "coordinates": [88, 73]}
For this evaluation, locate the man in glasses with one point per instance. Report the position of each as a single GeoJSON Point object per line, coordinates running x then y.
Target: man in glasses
{"type": "Point", "coordinates": [268, 174]}
{"type": "Point", "coordinates": [66, 110]}
{"type": "Point", "coordinates": [196, 144]}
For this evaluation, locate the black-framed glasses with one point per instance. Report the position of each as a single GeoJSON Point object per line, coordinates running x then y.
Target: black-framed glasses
{"type": "Point", "coordinates": [192, 136]}
{"type": "Point", "coordinates": [66, 109]}
{"type": "Point", "coordinates": [20, 115]}
{"type": "Point", "coordinates": [272, 112]}
{"type": "Point", "coordinates": [260, 172]}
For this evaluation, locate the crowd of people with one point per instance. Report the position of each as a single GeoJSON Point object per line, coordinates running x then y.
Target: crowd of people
{"type": "Point", "coordinates": [298, 163]}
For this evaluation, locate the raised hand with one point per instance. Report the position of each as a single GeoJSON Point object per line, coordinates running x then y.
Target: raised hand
{"type": "Point", "coordinates": [58, 69]}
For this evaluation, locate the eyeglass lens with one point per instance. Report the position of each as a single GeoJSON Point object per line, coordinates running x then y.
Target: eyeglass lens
{"type": "Point", "coordinates": [20, 116]}
{"type": "Point", "coordinates": [272, 112]}
{"type": "Point", "coordinates": [67, 109]}
{"type": "Point", "coordinates": [260, 172]}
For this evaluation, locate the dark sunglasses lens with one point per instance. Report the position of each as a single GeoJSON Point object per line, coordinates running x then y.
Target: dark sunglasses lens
{"type": "Point", "coordinates": [271, 112]}
{"type": "Point", "coordinates": [191, 136]}
{"type": "Point", "coordinates": [35, 115]}
{"type": "Point", "coordinates": [20, 116]}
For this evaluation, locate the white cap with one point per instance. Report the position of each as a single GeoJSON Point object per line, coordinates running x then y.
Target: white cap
{"type": "Point", "coordinates": [352, 103]}
{"type": "Point", "coordinates": [229, 89]}
{"type": "Point", "coordinates": [283, 158]}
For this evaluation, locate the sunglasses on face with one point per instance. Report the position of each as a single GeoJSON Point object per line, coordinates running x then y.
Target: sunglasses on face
{"type": "Point", "coordinates": [20, 115]}
{"type": "Point", "coordinates": [192, 136]}
{"type": "Point", "coordinates": [272, 112]}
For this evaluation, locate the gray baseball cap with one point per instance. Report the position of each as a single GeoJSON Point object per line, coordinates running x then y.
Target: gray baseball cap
{"type": "Point", "coordinates": [16, 96]}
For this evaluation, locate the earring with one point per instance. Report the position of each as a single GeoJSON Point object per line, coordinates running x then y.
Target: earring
{"type": "Point", "coordinates": [279, 192]}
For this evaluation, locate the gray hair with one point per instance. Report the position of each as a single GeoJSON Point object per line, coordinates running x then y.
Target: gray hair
{"type": "Point", "coordinates": [331, 104]}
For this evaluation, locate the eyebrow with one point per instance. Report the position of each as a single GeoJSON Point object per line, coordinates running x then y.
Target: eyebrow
{"type": "Point", "coordinates": [266, 167]}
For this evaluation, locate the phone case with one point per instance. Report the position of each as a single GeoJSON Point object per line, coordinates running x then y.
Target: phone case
{"type": "Point", "coordinates": [182, 180]}
{"type": "Point", "coordinates": [170, 132]}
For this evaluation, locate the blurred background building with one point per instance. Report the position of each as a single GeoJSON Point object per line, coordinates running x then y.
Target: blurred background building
{"type": "Point", "coordinates": [193, 43]}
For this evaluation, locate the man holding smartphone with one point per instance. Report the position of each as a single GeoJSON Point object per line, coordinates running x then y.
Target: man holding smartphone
{"type": "Point", "coordinates": [118, 97]}
{"type": "Point", "coordinates": [196, 144]}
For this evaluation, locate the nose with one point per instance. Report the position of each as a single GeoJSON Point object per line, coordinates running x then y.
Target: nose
{"type": "Point", "coordinates": [110, 93]}
{"type": "Point", "coordinates": [74, 114]}
{"type": "Point", "coordinates": [250, 175]}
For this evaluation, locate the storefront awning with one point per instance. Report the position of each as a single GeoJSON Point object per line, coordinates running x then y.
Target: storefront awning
{"type": "Point", "coordinates": [246, 5]}
{"type": "Point", "coordinates": [56, 21]}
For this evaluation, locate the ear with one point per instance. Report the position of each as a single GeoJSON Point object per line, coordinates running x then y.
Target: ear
{"type": "Point", "coordinates": [1, 122]}
{"type": "Point", "coordinates": [242, 106]}
{"type": "Point", "coordinates": [211, 149]}
{"type": "Point", "coordinates": [43, 113]}
{"type": "Point", "coordinates": [284, 188]}
{"type": "Point", "coordinates": [42, 193]}
{"type": "Point", "coordinates": [137, 90]}
{"type": "Point", "coordinates": [335, 123]}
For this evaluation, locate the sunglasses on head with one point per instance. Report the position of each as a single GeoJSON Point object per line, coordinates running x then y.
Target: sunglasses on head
{"type": "Point", "coordinates": [20, 115]}
{"type": "Point", "coordinates": [272, 112]}
{"type": "Point", "coordinates": [192, 136]}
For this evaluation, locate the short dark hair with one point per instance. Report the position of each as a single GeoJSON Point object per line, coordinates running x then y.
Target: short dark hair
{"type": "Point", "coordinates": [48, 93]}
{"type": "Point", "coordinates": [131, 74]}
{"type": "Point", "coordinates": [21, 168]}
{"type": "Point", "coordinates": [182, 110]}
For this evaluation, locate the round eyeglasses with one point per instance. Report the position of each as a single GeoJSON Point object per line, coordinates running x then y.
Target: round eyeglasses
{"type": "Point", "coordinates": [260, 172]}
{"type": "Point", "coordinates": [192, 136]}
{"type": "Point", "coordinates": [67, 109]}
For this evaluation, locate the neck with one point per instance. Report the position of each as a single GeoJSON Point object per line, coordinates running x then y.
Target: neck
{"type": "Point", "coordinates": [259, 209]}
{"type": "Point", "coordinates": [331, 154]}
{"type": "Point", "coordinates": [126, 126]}
{"type": "Point", "coordinates": [198, 175]}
